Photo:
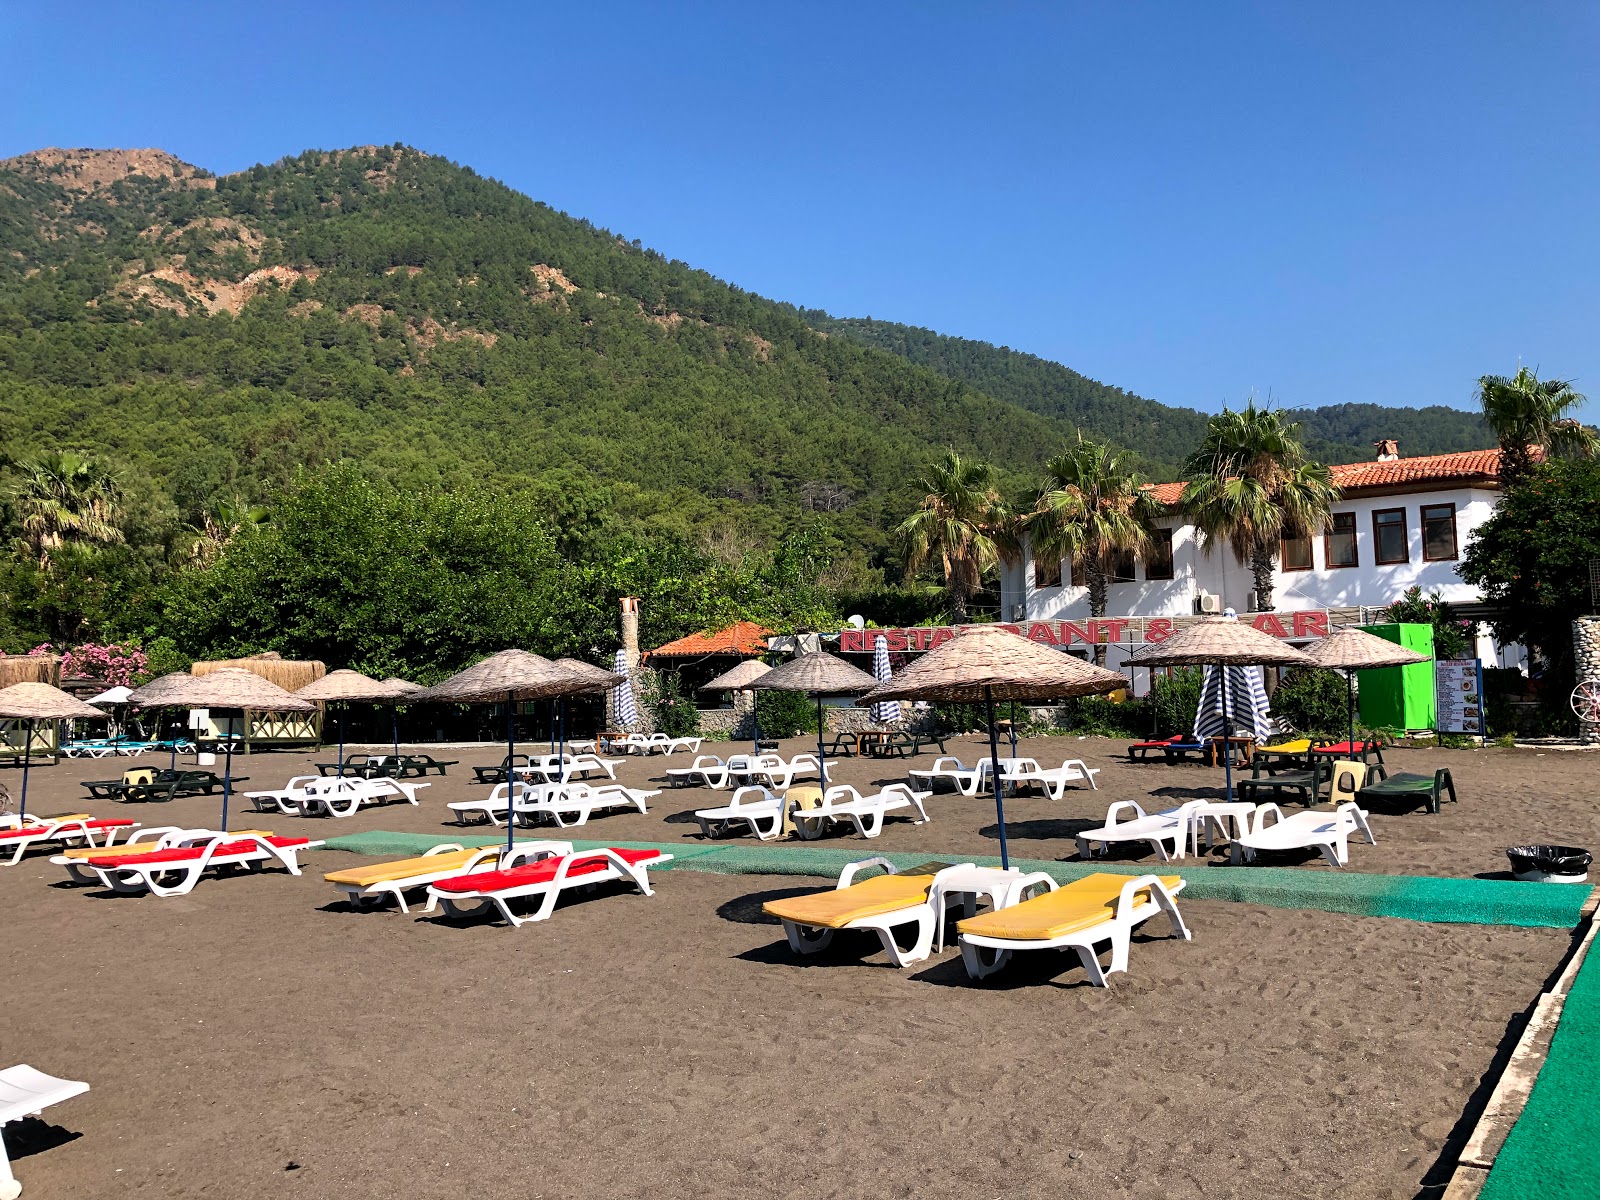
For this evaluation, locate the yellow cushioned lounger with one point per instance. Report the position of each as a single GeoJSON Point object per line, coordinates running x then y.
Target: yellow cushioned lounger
{"type": "Point", "coordinates": [404, 868]}
{"type": "Point", "coordinates": [869, 898]}
{"type": "Point", "coordinates": [1071, 908]}
{"type": "Point", "coordinates": [1295, 747]}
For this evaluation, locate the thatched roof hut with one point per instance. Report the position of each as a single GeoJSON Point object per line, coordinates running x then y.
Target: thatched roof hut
{"type": "Point", "coordinates": [288, 674]}
{"type": "Point", "coordinates": [30, 668]}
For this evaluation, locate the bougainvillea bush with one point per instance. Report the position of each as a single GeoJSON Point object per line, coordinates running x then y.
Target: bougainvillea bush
{"type": "Point", "coordinates": [117, 665]}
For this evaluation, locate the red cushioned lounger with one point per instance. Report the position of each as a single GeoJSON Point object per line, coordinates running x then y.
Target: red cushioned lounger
{"type": "Point", "coordinates": [542, 875]}
{"type": "Point", "coordinates": [174, 869]}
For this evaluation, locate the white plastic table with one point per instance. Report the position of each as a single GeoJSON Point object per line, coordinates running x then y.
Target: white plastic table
{"type": "Point", "coordinates": [27, 1092]}
{"type": "Point", "coordinates": [968, 884]}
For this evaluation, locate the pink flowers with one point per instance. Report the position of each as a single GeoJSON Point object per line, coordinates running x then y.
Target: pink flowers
{"type": "Point", "coordinates": [114, 664]}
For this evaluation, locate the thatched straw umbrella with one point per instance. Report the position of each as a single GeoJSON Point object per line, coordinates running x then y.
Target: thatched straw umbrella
{"type": "Point", "coordinates": [988, 663]}
{"type": "Point", "coordinates": [1222, 642]}
{"type": "Point", "coordinates": [741, 679]}
{"type": "Point", "coordinates": [509, 677]}
{"type": "Point", "coordinates": [33, 702]}
{"type": "Point", "coordinates": [1351, 650]}
{"type": "Point", "coordinates": [158, 693]}
{"type": "Point", "coordinates": [819, 675]}
{"type": "Point", "coordinates": [223, 687]}
{"type": "Point", "coordinates": [346, 686]}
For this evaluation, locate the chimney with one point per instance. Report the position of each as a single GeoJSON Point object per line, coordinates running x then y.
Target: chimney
{"type": "Point", "coordinates": [630, 631]}
{"type": "Point", "coordinates": [1388, 450]}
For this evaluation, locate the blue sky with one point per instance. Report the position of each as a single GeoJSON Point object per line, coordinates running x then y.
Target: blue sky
{"type": "Point", "coordinates": [1193, 201]}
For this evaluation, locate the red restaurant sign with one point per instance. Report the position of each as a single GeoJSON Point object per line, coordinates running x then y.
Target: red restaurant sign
{"type": "Point", "coordinates": [1308, 623]}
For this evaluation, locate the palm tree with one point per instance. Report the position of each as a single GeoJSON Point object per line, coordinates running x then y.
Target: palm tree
{"type": "Point", "coordinates": [66, 498]}
{"type": "Point", "coordinates": [962, 523]}
{"type": "Point", "coordinates": [220, 525]}
{"type": "Point", "coordinates": [1092, 509]}
{"type": "Point", "coordinates": [1529, 417]}
{"type": "Point", "coordinates": [1250, 484]}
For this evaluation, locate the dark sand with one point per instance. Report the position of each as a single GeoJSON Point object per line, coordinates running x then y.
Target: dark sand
{"type": "Point", "coordinates": [671, 1047]}
{"type": "Point", "coordinates": [1507, 797]}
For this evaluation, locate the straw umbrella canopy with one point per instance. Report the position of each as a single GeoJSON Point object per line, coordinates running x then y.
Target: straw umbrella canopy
{"type": "Point", "coordinates": [345, 686]}
{"type": "Point", "coordinates": [33, 702]}
{"type": "Point", "coordinates": [226, 687]}
{"type": "Point", "coordinates": [740, 679]}
{"type": "Point", "coordinates": [1224, 642]}
{"type": "Point", "coordinates": [158, 693]}
{"type": "Point", "coordinates": [1351, 650]}
{"type": "Point", "coordinates": [985, 663]}
{"type": "Point", "coordinates": [820, 674]}
{"type": "Point", "coordinates": [509, 677]}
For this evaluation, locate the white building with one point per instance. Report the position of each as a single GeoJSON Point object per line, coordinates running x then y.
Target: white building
{"type": "Point", "coordinates": [1400, 522]}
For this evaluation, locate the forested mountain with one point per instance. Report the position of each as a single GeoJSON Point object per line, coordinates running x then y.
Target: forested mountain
{"type": "Point", "coordinates": [1163, 435]}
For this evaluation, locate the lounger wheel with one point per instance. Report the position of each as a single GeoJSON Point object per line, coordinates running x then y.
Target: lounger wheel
{"type": "Point", "coordinates": [982, 961]}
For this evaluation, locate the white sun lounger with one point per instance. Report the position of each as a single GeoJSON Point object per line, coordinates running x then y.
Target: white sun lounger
{"type": "Point", "coordinates": [1053, 780]}
{"type": "Point", "coordinates": [963, 778]}
{"type": "Point", "coordinates": [151, 837]}
{"type": "Point", "coordinates": [379, 882]}
{"type": "Point", "coordinates": [285, 799]}
{"type": "Point", "coordinates": [334, 799]}
{"type": "Point", "coordinates": [706, 769]}
{"type": "Point", "coordinates": [540, 874]}
{"type": "Point", "coordinates": [495, 806]}
{"type": "Point", "coordinates": [174, 869]}
{"type": "Point", "coordinates": [780, 775]}
{"type": "Point", "coordinates": [882, 904]}
{"type": "Point", "coordinates": [752, 805]}
{"type": "Point", "coordinates": [27, 1092]}
{"type": "Point", "coordinates": [1176, 825]}
{"type": "Point", "coordinates": [843, 803]}
{"type": "Point", "coordinates": [1311, 830]}
{"type": "Point", "coordinates": [573, 803]}
{"type": "Point", "coordinates": [18, 839]}
{"type": "Point", "coordinates": [1081, 916]}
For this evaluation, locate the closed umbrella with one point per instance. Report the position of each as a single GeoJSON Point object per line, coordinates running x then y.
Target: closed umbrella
{"type": "Point", "coordinates": [226, 687]}
{"type": "Point", "coordinates": [1225, 642]}
{"type": "Point", "coordinates": [627, 711]}
{"type": "Point", "coordinates": [819, 674]}
{"type": "Point", "coordinates": [739, 680]}
{"type": "Point", "coordinates": [511, 677]}
{"type": "Point", "coordinates": [985, 663]}
{"type": "Point", "coordinates": [1245, 703]}
{"type": "Point", "coordinates": [888, 710]}
{"type": "Point", "coordinates": [1351, 650]}
{"type": "Point", "coordinates": [34, 702]}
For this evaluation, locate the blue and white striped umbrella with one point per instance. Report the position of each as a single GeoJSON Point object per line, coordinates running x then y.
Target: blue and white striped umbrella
{"type": "Point", "coordinates": [1247, 703]}
{"type": "Point", "coordinates": [627, 711]}
{"type": "Point", "coordinates": [888, 710]}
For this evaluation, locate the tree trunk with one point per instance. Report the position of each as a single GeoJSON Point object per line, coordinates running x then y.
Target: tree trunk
{"type": "Point", "coordinates": [1095, 576]}
{"type": "Point", "coordinates": [958, 603]}
{"type": "Point", "coordinates": [1261, 568]}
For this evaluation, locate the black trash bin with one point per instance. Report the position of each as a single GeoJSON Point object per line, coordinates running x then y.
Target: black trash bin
{"type": "Point", "coordinates": [1550, 864]}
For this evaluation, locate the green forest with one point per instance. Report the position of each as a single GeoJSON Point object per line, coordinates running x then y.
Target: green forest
{"type": "Point", "coordinates": [370, 406]}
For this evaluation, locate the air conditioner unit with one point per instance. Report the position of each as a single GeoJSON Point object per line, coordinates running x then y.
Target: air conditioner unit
{"type": "Point", "coordinates": [1019, 612]}
{"type": "Point", "coordinates": [1205, 602]}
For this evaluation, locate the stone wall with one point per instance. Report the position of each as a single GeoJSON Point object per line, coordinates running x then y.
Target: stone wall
{"type": "Point", "coordinates": [1586, 652]}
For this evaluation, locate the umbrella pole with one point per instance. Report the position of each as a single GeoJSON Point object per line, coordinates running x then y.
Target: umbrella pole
{"type": "Point", "coordinates": [999, 795]}
{"type": "Point", "coordinates": [822, 761]}
{"type": "Point", "coordinates": [27, 751]}
{"type": "Point", "coordinates": [1013, 729]}
{"type": "Point", "coordinates": [755, 723]}
{"type": "Point", "coordinates": [511, 769]}
{"type": "Point", "coordinates": [1227, 741]}
{"type": "Point", "coordinates": [552, 726]}
{"type": "Point", "coordinates": [227, 781]}
{"type": "Point", "coordinates": [1350, 707]}
{"type": "Point", "coordinates": [341, 741]}
{"type": "Point", "coordinates": [394, 716]}
{"type": "Point", "coordinates": [561, 754]}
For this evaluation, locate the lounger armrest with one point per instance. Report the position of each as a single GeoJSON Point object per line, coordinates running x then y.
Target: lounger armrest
{"type": "Point", "coordinates": [442, 848]}
{"type": "Point", "coordinates": [848, 875]}
{"type": "Point", "coordinates": [1127, 898]}
{"type": "Point", "coordinates": [1257, 820]}
{"type": "Point", "coordinates": [1022, 888]}
{"type": "Point", "coordinates": [840, 793]}
{"type": "Point", "coordinates": [1118, 806]}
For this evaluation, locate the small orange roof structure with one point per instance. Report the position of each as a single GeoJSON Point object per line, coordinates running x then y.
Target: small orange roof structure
{"type": "Point", "coordinates": [1467, 468]}
{"type": "Point", "coordinates": [744, 638]}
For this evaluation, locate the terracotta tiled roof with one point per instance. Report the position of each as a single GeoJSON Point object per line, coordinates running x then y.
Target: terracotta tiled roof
{"type": "Point", "coordinates": [1466, 467]}
{"type": "Point", "coordinates": [745, 637]}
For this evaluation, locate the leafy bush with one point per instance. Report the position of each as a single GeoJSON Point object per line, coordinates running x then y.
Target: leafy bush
{"type": "Point", "coordinates": [1452, 637]}
{"type": "Point", "coordinates": [1175, 700]}
{"type": "Point", "coordinates": [785, 714]}
{"type": "Point", "coordinates": [1101, 716]}
{"type": "Point", "coordinates": [1312, 700]}
{"type": "Point", "coordinates": [674, 713]}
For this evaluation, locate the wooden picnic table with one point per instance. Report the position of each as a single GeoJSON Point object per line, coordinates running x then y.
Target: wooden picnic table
{"type": "Point", "coordinates": [1244, 741]}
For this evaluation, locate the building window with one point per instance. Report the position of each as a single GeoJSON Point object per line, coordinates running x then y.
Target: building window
{"type": "Point", "coordinates": [1339, 541]}
{"type": "Point", "coordinates": [1121, 568]}
{"type": "Point", "coordinates": [1158, 559]}
{"type": "Point", "coordinates": [1046, 572]}
{"type": "Point", "coordinates": [1438, 532]}
{"type": "Point", "coordinates": [1389, 537]}
{"type": "Point", "coordinates": [1296, 553]}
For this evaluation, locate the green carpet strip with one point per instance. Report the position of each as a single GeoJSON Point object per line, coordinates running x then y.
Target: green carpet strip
{"type": "Point", "coordinates": [1412, 897]}
{"type": "Point", "coordinates": [1552, 1150]}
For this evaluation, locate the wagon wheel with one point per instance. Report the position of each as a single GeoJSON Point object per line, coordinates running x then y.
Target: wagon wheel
{"type": "Point", "coordinates": [1586, 701]}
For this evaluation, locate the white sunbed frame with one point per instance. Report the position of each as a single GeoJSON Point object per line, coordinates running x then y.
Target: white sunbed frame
{"type": "Point", "coordinates": [1053, 780]}
{"type": "Point", "coordinates": [810, 939]}
{"type": "Point", "coordinates": [486, 859]}
{"type": "Point", "coordinates": [966, 780]}
{"type": "Point", "coordinates": [1177, 825]}
{"type": "Point", "coordinates": [1127, 913]}
{"type": "Point", "coordinates": [709, 770]}
{"type": "Point", "coordinates": [560, 799]}
{"type": "Point", "coordinates": [26, 1092]}
{"type": "Point", "coordinates": [135, 878]}
{"type": "Point", "coordinates": [780, 775]}
{"type": "Point", "coordinates": [337, 801]}
{"type": "Point", "coordinates": [459, 904]}
{"type": "Point", "coordinates": [1311, 830]}
{"type": "Point", "coordinates": [842, 803]}
{"type": "Point", "coordinates": [762, 811]}
{"type": "Point", "coordinates": [150, 837]}
{"type": "Point", "coordinates": [65, 832]}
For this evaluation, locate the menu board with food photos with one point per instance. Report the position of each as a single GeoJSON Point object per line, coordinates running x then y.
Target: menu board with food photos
{"type": "Point", "coordinates": [1458, 695]}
